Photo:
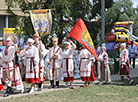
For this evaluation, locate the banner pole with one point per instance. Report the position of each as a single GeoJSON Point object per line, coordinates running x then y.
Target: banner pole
{"type": "Point", "coordinates": [38, 9]}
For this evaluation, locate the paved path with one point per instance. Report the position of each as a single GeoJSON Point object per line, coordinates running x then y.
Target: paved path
{"type": "Point", "coordinates": [76, 84]}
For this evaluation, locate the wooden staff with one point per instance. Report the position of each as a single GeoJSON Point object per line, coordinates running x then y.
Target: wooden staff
{"type": "Point", "coordinates": [57, 50]}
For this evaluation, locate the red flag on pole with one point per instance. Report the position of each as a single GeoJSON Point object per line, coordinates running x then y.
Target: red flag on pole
{"type": "Point", "coordinates": [80, 33]}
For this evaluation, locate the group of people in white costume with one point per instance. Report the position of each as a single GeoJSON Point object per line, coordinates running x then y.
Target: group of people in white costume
{"type": "Point", "coordinates": [57, 59]}
{"type": "Point", "coordinates": [33, 54]}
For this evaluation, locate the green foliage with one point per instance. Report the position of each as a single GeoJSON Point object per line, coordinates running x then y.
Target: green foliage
{"type": "Point", "coordinates": [122, 10]}
{"type": "Point", "coordinates": [64, 16]}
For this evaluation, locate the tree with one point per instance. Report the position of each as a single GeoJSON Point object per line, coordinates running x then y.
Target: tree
{"type": "Point", "coordinates": [122, 10]}
{"type": "Point", "coordinates": [64, 16]}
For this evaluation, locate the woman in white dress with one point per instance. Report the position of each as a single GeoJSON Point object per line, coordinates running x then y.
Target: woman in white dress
{"type": "Point", "coordinates": [31, 62]}
{"type": "Point", "coordinates": [103, 58]}
{"type": "Point", "coordinates": [86, 70]}
{"type": "Point", "coordinates": [68, 67]}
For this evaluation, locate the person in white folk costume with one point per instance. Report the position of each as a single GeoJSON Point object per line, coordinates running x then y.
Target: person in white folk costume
{"type": "Point", "coordinates": [103, 58]}
{"type": "Point", "coordinates": [86, 71]}
{"type": "Point", "coordinates": [1, 74]}
{"type": "Point", "coordinates": [68, 66]}
{"type": "Point", "coordinates": [31, 62]}
{"type": "Point", "coordinates": [11, 73]}
{"type": "Point", "coordinates": [54, 59]}
{"type": "Point", "coordinates": [42, 52]}
{"type": "Point", "coordinates": [124, 65]}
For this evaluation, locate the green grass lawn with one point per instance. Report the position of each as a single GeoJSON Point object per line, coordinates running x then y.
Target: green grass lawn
{"type": "Point", "coordinates": [93, 93]}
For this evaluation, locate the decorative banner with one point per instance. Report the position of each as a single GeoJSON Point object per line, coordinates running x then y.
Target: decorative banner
{"type": "Point", "coordinates": [9, 32]}
{"type": "Point", "coordinates": [42, 21]}
{"type": "Point", "coordinates": [81, 34]}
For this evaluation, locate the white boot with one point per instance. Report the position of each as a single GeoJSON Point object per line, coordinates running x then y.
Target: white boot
{"type": "Point", "coordinates": [22, 91]}
{"type": "Point", "coordinates": [42, 86]}
{"type": "Point", "coordinates": [32, 90]}
{"type": "Point", "coordinates": [36, 88]}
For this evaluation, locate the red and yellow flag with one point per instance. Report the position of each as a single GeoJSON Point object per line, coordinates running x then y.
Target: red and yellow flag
{"type": "Point", "coordinates": [80, 33]}
{"type": "Point", "coordinates": [136, 43]}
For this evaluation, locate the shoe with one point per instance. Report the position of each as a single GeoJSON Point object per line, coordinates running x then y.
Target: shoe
{"type": "Point", "coordinates": [71, 87]}
{"type": "Point", "coordinates": [57, 84]}
{"type": "Point", "coordinates": [32, 90]}
{"type": "Point", "coordinates": [108, 82]}
{"type": "Point", "coordinates": [66, 84]}
{"type": "Point", "coordinates": [36, 88]}
{"type": "Point", "coordinates": [52, 84]}
{"type": "Point", "coordinates": [101, 83]}
{"type": "Point", "coordinates": [70, 83]}
{"type": "Point", "coordinates": [39, 89]}
{"type": "Point", "coordinates": [86, 85]}
{"type": "Point", "coordinates": [6, 95]}
{"type": "Point", "coordinates": [40, 85]}
{"type": "Point", "coordinates": [121, 83]}
{"type": "Point", "coordinates": [131, 82]}
{"type": "Point", "coordinates": [82, 85]}
{"type": "Point", "coordinates": [8, 91]}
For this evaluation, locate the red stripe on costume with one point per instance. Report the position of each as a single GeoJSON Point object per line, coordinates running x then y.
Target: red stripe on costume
{"type": "Point", "coordinates": [67, 65]}
{"type": "Point", "coordinates": [1, 85]}
{"type": "Point", "coordinates": [124, 56]}
{"type": "Point", "coordinates": [32, 80]}
{"type": "Point", "coordinates": [16, 82]}
{"type": "Point", "coordinates": [86, 78]}
{"type": "Point", "coordinates": [6, 51]}
{"type": "Point", "coordinates": [66, 79]}
{"type": "Point", "coordinates": [31, 63]}
{"type": "Point", "coordinates": [92, 74]}
{"type": "Point", "coordinates": [53, 69]}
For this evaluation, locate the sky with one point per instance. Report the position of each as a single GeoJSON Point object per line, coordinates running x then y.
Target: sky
{"type": "Point", "coordinates": [135, 3]}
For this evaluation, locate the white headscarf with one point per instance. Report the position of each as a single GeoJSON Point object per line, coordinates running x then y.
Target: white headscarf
{"type": "Point", "coordinates": [123, 45]}
{"type": "Point", "coordinates": [103, 47]}
{"type": "Point", "coordinates": [30, 40]}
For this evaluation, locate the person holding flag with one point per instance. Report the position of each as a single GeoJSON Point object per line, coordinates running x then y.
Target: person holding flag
{"type": "Point", "coordinates": [86, 70]}
{"type": "Point", "coordinates": [80, 33]}
{"type": "Point", "coordinates": [68, 66]}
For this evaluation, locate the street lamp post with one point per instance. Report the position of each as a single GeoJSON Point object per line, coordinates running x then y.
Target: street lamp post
{"type": "Point", "coordinates": [103, 20]}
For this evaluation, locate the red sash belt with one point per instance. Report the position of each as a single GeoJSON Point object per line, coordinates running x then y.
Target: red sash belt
{"type": "Point", "coordinates": [53, 67]}
{"type": "Point", "coordinates": [31, 63]}
{"type": "Point", "coordinates": [67, 66]}
{"type": "Point", "coordinates": [8, 69]}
